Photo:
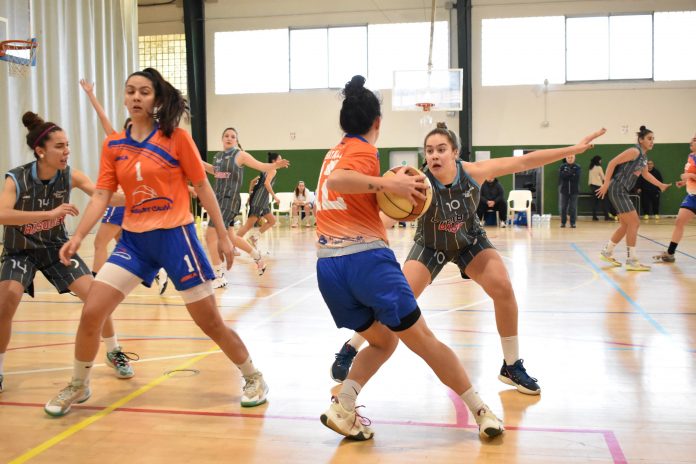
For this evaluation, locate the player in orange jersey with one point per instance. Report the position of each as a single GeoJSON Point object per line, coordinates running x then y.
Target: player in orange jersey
{"type": "Point", "coordinates": [687, 209]}
{"type": "Point", "coordinates": [152, 161]}
{"type": "Point", "coordinates": [359, 276]}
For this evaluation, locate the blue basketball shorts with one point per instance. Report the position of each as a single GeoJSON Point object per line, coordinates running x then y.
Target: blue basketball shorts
{"type": "Point", "coordinates": [689, 203]}
{"type": "Point", "coordinates": [114, 215]}
{"type": "Point", "coordinates": [362, 287]}
{"type": "Point", "coordinates": [176, 250]}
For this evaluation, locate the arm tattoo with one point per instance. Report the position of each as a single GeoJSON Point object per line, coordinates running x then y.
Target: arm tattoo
{"type": "Point", "coordinates": [373, 187]}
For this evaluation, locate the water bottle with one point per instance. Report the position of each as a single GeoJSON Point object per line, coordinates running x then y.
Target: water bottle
{"type": "Point", "coordinates": [546, 220]}
{"type": "Point", "coordinates": [536, 220]}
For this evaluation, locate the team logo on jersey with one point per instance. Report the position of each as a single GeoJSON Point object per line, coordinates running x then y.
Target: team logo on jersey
{"type": "Point", "coordinates": [121, 253]}
{"type": "Point", "coordinates": [467, 194]}
{"type": "Point", "coordinates": [46, 224]}
{"type": "Point", "coordinates": [121, 158]}
{"type": "Point", "coordinates": [147, 201]}
{"type": "Point", "coordinates": [59, 194]}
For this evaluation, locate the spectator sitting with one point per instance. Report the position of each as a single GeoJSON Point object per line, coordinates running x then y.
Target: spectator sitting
{"type": "Point", "coordinates": [302, 205]}
{"type": "Point", "coordinates": [492, 198]}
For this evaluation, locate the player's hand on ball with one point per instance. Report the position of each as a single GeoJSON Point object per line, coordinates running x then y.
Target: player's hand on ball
{"type": "Point", "coordinates": [409, 183]}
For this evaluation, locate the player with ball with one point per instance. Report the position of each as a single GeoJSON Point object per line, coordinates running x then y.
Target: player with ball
{"type": "Point", "coordinates": [449, 231]}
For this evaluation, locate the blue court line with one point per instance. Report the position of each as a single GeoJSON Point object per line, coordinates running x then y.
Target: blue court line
{"type": "Point", "coordinates": [656, 325]}
{"type": "Point", "coordinates": [666, 246]}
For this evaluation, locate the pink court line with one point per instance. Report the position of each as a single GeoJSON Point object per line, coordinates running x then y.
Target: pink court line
{"type": "Point", "coordinates": [609, 437]}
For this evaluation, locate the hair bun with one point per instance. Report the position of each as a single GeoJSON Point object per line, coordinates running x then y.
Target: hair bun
{"type": "Point", "coordinates": [442, 125]}
{"type": "Point", "coordinates": [31, 120]}
{"type": "Point", "coordinates": [356, 84]}
{"type": "Point", "coordinates": [643, 128]}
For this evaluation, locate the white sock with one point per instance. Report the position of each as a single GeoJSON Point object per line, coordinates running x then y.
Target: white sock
{"type": "Point", "coordinates": [220, 268]}
{"type": "Point", "coordinates": [630, 252]}
{"type": "Point", "coordinates": [111, 343]}
{"type": "Point", "coordinates": [349, 394]}
{"type": "Point", "coordinates": [472, 400]}
{"type": "Point", "coordinates": [511, 349]}
{"type": "Point", "coordinates": [81, 371]}
{"type": "Point", "coordinates": [247, 367]}
{"type": "Point", "coordinates": [2, 363]}
{"type": "Point", "coordinates": [255, 254]}
{"type": "Point", "coordinates": [356, 341]}
{"type": "Point", "coordinates": [610, 246]}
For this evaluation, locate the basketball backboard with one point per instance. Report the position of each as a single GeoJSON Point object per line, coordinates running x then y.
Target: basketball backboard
{"type": "Point", "coordinates": [438, 89]}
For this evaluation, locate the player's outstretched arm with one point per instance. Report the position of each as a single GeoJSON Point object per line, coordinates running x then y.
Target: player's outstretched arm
{"type": "Point", "coordinates": [247, 160]}
{"type": "Point", "coordinates": [89, 90]}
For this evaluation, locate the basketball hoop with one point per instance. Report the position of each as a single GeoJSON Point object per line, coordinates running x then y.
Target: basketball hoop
{"type": "Point", "coordinates": [20, 56]}
{"type": "Point", "coordinates": [425, 106]}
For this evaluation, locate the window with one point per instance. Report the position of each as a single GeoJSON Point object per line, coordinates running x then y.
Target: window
{"type": "Point", "coordinates": [397, 47]}
{"type": "Point", "coordinates": [523, 50]}
{"type": "Point", "coordinates": [347, 54]}
{"type": "Point", "coordinates": [675, 46]}
{"type": "Point", "coordinates": [251, 62]}
{"type": "Point", "coordinates": [327, 57]}
{"type": "Point", "coordinates": [309, 59]}
{"type": "Point", "coordinates": [167, 54]}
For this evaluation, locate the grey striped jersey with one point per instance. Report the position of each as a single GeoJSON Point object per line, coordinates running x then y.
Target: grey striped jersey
{"type": "Point", "coordinates": [625, 173]}
{"type": "Point", "coordinates": [260, 196]}
{"type": "Point", "coordinates": [35, 195]}
{"type": "Point", "coordinates": [228, 179]}
{"type": "Point", "coordinates": [451, 222]}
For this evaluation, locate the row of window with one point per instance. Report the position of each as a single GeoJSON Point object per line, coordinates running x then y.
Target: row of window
{"type": "Point", "coordinates": [658, 46]}
{"type": "Point", "coordinates": [279, 60]}
{"type": "Point", "coordinates": [515, 51]}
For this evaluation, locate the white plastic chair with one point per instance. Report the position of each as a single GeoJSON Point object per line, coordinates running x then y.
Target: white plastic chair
{"type": "Point", "coordinates": [520, 200]}
{"type": "Point", "coordinates": [284, 206]}
{"type": "Point", "coordinates": [244, 209]}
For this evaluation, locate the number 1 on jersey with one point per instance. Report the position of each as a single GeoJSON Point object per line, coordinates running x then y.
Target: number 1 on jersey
{"type": "Point", "coordinates": [138, 173]}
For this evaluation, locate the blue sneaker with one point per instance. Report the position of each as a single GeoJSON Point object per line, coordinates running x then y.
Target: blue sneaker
{"type": "Point", "coordinates": [341, 366]}
{"type": "Point", "coordinates": [516, 375]}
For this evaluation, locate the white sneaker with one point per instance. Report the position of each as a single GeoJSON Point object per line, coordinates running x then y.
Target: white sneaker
{"type": "Point", "coordinates": [609, 257]}
{"type": "Point", "coordinates": [489, 425]}
{"type": "Point", "coordinates": [61, 403]}
{"type": "Point", "coordinates": [255, 390]}
{"type": "Point", "coordinates": [347, 423]}
{"type": "Point", "coordinates": [162, 281]}
{"type": "Point", "coordinates": [634, 265]}
{"type": "Point", "coordinates": [260, 265]}
{"type": "Point", "coordinates": [220, 282]}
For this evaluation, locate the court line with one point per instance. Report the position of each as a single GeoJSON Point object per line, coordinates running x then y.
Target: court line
{"type": "Point", "coordinates": [656, 325]}
{"type": "Point", "coordinates": [609, 436]}
{"type": "Point", "coordinates": [666, 246]}
{"type": "Point", "coordinates": [126, 399]}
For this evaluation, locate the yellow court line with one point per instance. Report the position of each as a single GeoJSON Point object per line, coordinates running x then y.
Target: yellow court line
{"type": "Point", "coordinates": [103, 413]}
{"type": "Point", "coordinates": [32, 453]}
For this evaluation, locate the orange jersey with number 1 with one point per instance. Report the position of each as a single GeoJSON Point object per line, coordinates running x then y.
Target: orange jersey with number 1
{"type": "Point", "coordinates": [346, 219]}
{"type": "Point", "coordinates": [153, 175]}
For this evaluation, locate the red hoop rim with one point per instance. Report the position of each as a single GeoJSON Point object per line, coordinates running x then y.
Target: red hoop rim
{"type": "Point", "coordinates": [17, 45]}
{"type": "Point", "coordinates": [425, 106]}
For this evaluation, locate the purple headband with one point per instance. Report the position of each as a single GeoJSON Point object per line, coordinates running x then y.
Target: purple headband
{"type": "Point", "coordinates": [42, 135]}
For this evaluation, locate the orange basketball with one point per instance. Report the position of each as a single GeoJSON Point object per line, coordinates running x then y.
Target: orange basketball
{"type": "Point", "coordinates": [400, 208]}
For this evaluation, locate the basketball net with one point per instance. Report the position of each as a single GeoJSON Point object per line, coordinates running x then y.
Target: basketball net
{"type": "Point", "coordinates": [19, 54]}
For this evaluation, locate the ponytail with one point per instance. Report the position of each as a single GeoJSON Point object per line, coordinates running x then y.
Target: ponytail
{"type": "Point", "coordinates": [170, 104]}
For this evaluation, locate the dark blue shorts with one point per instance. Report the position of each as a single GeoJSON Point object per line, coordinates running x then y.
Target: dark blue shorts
{"type": "Point", "coordinates": [689, 203]}
{"type": "Point", "coordinates": [366, 286]}
{"type": "Point", "coordinates": [114, 215]}
{"type": "Point", "coordinates": [176, 250]}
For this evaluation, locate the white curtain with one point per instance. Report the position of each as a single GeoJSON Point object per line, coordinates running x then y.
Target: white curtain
{"type": "Point", "coordinates": [94, 39]}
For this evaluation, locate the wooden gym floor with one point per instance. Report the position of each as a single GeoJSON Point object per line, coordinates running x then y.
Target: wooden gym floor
{"type": "Point", "coordinates": [614, 352]}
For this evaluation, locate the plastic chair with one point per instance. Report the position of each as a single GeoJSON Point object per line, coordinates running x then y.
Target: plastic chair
{"type": "Point", "coordinates": [284, 206]}
{"type": "Point", "coordinates": [244, 208]}
{"type": "Point", "coordinates": [520, 200]}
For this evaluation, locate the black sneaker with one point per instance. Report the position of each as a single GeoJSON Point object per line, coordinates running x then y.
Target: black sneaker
{"type": "Point", "coordinates": [1, 385]}
{"type": "Point", "coordinates": [341, 366]}
{"type": "Point", "coordinates": [516, 375]}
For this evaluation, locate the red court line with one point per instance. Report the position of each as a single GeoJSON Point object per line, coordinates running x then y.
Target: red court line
{"type": "Point", "coordinates": [121, 339]}
{"type": "Point", "coordinates": [612, 442]}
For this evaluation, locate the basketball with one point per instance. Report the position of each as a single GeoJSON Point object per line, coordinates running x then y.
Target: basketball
{"type": "Point", "coordinates": [400, 208]}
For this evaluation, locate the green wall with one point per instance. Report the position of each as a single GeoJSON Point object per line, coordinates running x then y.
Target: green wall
{"type": "Point", "coordinates": [304, 165]}
{"type": "Point", "coordinates": [669, 159]}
